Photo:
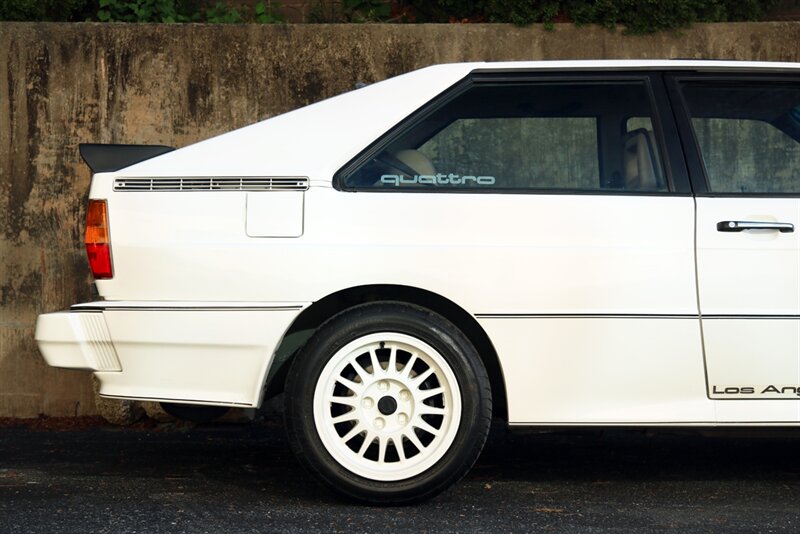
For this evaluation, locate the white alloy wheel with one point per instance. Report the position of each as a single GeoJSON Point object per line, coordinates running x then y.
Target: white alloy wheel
{"type": "Point", "coordinates": [387, 406]}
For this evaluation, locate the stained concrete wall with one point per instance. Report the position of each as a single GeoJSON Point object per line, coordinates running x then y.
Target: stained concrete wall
{"type": "Point", "coordinates": [63, 84]}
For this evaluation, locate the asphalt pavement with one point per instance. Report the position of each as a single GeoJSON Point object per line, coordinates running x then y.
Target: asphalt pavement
{"type": "Point", "coordinates": [243, 478]}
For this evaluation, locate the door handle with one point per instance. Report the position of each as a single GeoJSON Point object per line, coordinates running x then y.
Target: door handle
{"type": "Point", "coordinates": [738, 226]}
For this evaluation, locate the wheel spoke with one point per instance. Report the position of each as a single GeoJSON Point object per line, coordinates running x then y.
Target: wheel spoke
{"type": "Point", "coordinates": [428, 393]}
{"type": "Point", "coordinates": [420, 378]}
{"type": "Point", "coordinates": [349, 416]}
{"type": "Point", "coordinates": [376, 365]}
{"type": "Point", "coordinates": [356, 430]}
{"type": "Point", "coordinates": [351, 400]}
{"type": "Point", "coordinates": [392, 367]}
{"type": "Point", "coordinates": [355, 387]}
{"type": "Point", "coordinates": [412, 437]}
{"type": "Point", "coordinates": [409, 365]}
{"type": "Point", "coordinates": [431, 410]}
{"type": "Point", "coordinates": [368, 439]}
{"type": "Point", "coordinates": [382, 443]}
{"type": "Point", "coordinates": [398, 446]}
{"type": "Point", "coordinates": [360, 370]}
{"type": "Point", "coordinates": [423, 425]}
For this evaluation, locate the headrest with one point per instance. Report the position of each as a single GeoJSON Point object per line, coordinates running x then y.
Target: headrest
{"type": "Point", "coordinates": [416, 160]}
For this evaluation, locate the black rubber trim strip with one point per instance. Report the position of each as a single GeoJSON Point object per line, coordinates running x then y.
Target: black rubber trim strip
{"type": "Point", "coordinates": [193, 402]}
{"type": "Point", "coordinates": [637, 424]}
{"type": "Point", "coordinates": [780, 317]}
{"type": "Point", "coordinates": [183, 308]}
{"type": "Point", "coordinates": [627, 316]}
{"type": "Point", "coordinates": [110, 158]}
{"type": "Point", "coordinates": [775, 399]}
{"type": "Point", "coordinates": [583, 316]}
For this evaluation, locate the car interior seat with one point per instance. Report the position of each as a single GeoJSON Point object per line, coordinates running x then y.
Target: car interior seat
{"type": "Point", "coordinates": [639, 162]}
{"type": "Point", "coordinates": [414, 160]}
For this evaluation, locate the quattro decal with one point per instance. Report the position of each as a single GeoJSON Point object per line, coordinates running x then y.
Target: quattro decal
{"type": "Point", "coordinates": [436, 179]}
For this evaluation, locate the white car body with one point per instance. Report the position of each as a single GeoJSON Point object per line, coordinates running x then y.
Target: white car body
{"type": "Point", "coordinates": [600, 309]}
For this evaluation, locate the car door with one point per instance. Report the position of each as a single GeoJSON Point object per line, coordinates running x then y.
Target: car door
{"type": "Point", "coordinates": [742, 141]}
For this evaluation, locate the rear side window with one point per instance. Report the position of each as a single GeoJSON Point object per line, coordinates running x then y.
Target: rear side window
{"type": "Point", "coordinates": [748, 135]}
{"type": "Point", "coordinates": [524, 136]}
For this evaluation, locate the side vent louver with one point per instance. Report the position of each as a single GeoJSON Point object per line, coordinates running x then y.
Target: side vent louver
{"type": "Point", "coordinates": [228, 183]}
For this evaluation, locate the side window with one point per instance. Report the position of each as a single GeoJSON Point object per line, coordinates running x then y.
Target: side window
{"type": "Point", "coordinates": [565, 154]}
{"type": "Point", "coordinates": [525, 136]}
{"type": "Point", "coordinates": [748, 135]}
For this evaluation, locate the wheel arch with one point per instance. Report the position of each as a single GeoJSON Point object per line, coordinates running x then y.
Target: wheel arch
{"type": "Point", "coordinates": [322, 310]}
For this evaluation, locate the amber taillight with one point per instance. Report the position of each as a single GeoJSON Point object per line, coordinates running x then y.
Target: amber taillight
{"type": "Point", "coordinates": [98, 243]}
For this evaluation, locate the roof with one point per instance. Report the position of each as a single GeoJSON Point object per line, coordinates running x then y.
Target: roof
{"type": "Point", "coordinates": [644, 64]}
{"type": "Point", "coordinates": [316, 140]}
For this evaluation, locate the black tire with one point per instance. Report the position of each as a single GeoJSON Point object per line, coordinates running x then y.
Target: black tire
{"type": "Point", "coordinates": [469, 429]}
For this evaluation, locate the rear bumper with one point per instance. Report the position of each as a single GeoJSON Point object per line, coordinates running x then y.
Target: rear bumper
{"type": "Point", "coordinates": [206, 353]}
{"type": "Point", "coordinates": [77, 340]}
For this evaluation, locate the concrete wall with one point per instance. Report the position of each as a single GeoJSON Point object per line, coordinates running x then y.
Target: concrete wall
{"type": "Point", "coordinates": [63, 84]}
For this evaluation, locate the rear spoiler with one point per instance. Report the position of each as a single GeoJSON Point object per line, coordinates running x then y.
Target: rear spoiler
{"type": "Point", "coordinates": [110, 158]}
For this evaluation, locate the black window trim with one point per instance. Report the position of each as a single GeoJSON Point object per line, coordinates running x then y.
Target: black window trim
{"type": "Point", "coordinates": [691, 146]}
{"type": "Point", "coordinates": [671, 157]}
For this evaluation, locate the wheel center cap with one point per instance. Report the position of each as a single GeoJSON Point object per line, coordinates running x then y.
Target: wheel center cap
{"type": "Point", "coordinates": [387, 405]}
